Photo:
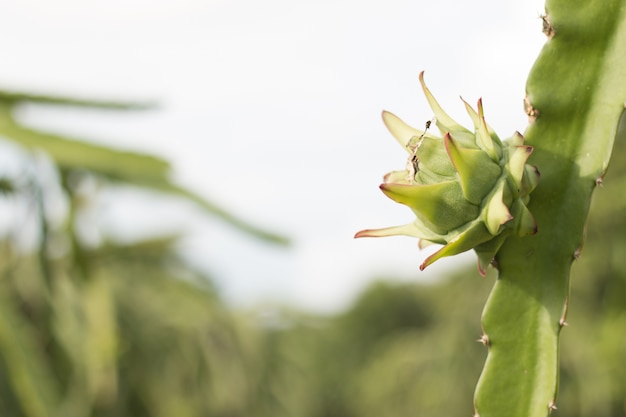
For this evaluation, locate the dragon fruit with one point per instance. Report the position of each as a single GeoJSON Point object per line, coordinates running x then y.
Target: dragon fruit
{"type": "Point", "coordinates": [468, 190]}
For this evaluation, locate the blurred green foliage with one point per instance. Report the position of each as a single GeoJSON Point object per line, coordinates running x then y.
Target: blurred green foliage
{"type": "Point", "coordinates": [134, 330]}
{"type": "Point", "coordinates": [106, 328]}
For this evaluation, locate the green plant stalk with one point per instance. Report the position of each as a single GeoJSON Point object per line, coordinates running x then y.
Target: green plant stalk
{"type": "Point", "coordinates": [575, 96]}
{"type": "Point", "coordinates": [31, 380]}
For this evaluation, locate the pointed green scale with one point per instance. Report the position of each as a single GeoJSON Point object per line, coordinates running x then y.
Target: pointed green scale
{"type": "Point", "coordinates": [396, 177]}
{"type": "Point", "coordinates": [412, 230]}
{"type": "Point", "coordinates": [423, 243]}
{"type": "Point", "coordinates": [525, 222]}
{"type": "Point", "coordinates": [486, 251]}
{"type": "Point", "coordinates": [484, 138]}
{"type": "Point", "coordinates": [530, 179]}
{"type": "Point", "coordinates": [464, 139]}
{"type": "Point", "coordinates": [496, 212]}
{"type": "Point", "coordinates": [516, 140]}
{"type": "Point", "coordinates": [426, 177]}
{"type": "Point", "coordinates": [472, 114]}
{"type": "Point", "coordinates": [433, 156]}
{"type": "Point", "coordinates": [469, 162]}
{"type": "Point", "coordinates": [441, 204]}
{"type": "Point", "coordinates": [517, 163]}
{"type": "Point", "coordinates": [468, 239]}
{"type": "Point", "coordinates": [444, 122]}
{"type": "Point", "coordinates": [476, 121]}
{"type": "Point", "coordinates": [400, 130]}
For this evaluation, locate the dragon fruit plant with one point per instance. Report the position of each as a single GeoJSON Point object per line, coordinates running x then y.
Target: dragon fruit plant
{"type": "Point", "coordinates": [468, 191]}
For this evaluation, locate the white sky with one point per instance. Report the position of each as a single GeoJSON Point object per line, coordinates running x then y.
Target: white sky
{"type": "Point", "coordinates": [272, 108]}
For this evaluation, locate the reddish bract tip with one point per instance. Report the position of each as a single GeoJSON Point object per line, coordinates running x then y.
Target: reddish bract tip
{"type": "Point", "coordinates": [361, 233]}
{"type": "Point", "coordinates": [447, 141]}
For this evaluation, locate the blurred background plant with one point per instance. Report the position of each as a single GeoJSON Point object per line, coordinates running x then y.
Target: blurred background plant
{"type": "Point", "coordinates": [94, 326]}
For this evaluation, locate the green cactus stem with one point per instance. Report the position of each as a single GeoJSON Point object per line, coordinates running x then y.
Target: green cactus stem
{"type": "Point", "coordinates": [575, 96]}
{"type": "Point", "coordinates": [468, 190]}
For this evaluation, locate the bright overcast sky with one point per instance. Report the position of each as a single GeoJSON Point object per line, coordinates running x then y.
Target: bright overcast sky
{"type": "Point", "coordinates": [272, 108]}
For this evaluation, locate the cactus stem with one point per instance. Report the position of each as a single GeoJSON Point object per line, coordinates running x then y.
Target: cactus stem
{"type": "Point", "coordinates": [547, 28]}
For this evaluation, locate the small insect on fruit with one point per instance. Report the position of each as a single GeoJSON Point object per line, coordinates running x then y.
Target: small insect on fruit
{"type": "Point", "coordinates": [412, 164]}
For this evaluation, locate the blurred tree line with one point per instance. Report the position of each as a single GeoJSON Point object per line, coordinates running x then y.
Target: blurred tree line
{"type": "Point", "coordinates": [131, 329]}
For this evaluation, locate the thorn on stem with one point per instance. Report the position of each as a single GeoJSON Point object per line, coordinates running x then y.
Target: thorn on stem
{"type": "Point", "coordinates": [551, 407]}
{"type": "Point", "coordinates": [484, 339]}
{"type": "Point", "coordinates": [494, 263]}
{"type": "Point", "coordinates": [547, 27]}
{"type": "Point", "coordinates": [562, 320]}
{"type": "Point", "coordinates": [577, 253]}
{"type": "Point", "coordinates": [530, 111]}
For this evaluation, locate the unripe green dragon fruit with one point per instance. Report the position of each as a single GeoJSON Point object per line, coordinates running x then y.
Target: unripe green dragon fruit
{"type": "Point", "coordinates": [468, 190]}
